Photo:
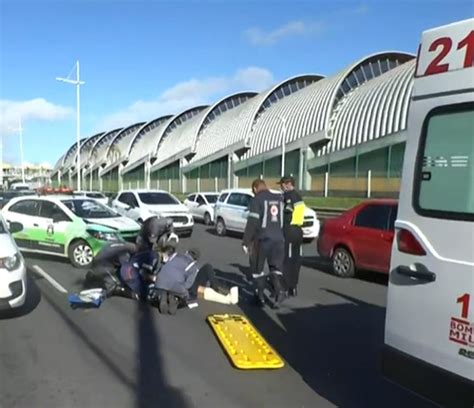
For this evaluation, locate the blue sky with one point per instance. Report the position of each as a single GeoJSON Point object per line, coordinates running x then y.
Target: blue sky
{"type": "Point", "coordinates": [141, 59]}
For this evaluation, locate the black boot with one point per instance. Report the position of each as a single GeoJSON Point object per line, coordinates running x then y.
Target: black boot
{"type": "Point", "coordinates": [259, 298]}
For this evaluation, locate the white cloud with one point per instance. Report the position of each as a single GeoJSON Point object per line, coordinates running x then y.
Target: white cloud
{"type": "Point", "coordinates": [189, 93]}
{"type": "Point", "coordinates": [37, 109]}
{"type": "Point", "coordinates": [258, 36]}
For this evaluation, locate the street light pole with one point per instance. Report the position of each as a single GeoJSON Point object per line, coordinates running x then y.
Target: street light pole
{"type": "Point", "coordinates": [19, 129]}
{"type": "Point", "coordinates": [283, 145]}
{"type": "Point", "coordinates": [78, 83]}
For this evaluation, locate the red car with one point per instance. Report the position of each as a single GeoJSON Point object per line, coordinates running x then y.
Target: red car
{"type": "Point", "coordinates": [360, 238]}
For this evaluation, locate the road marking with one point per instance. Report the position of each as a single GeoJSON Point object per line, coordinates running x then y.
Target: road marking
{"type": "Point", "coordinates": [50, 279]}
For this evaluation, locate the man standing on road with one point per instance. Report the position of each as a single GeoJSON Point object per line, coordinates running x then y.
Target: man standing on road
{"type": "Point", "coordinates": [264, 236]}
{"type": "Point", "coordinates": [294, 218]}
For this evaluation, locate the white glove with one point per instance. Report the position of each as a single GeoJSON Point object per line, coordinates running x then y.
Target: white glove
{"type": "Point", "coordinates": [173, 236]}
{"type": "Point", "coordinates": [245, 249]}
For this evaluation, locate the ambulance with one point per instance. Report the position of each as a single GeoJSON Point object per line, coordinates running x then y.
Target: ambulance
{"type": "Point", "coordinates": [429, 328]}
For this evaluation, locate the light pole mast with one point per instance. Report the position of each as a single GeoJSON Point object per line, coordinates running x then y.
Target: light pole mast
{"type": "Point", "coordinates": [78, 83]}
{"type": "Point", "coordinates": [283, 145]}
{"type": "Point", "coordinates": [19, 129]}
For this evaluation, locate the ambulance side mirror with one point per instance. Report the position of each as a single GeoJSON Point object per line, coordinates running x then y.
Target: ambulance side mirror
{"type": "Point", "coordinates": [15, 227]}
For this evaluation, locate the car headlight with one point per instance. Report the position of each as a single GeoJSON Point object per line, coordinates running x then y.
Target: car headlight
{"type": "Point", "coordinates": [12, 262]}
{"type": "Point", "coordinates": [104, 236]}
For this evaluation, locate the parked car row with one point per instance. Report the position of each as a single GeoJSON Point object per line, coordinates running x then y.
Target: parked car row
{"type": "Point", "coordinates": [228, 211]}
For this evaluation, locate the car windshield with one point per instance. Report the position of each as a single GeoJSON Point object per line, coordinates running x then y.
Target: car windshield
{"type": "Point", "coordinates": [159, 198]}
{"type": "Point", "coordinates": [89, 209]}
{"type": "Point", "coordinates": [95, 195]}
{"type": "Point", "coordinates": [211, 198]}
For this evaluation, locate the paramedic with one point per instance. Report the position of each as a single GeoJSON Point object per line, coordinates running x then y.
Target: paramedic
{"type": "Point", "coordinates": [293, 221]}
{"type": "Point", "coordinates": [264, 239]}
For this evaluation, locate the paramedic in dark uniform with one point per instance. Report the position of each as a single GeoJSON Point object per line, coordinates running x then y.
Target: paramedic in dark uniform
{"type": "Point", "coordinates": [294, 218]}
{"type": "Point", "coordinates": [264, 239]}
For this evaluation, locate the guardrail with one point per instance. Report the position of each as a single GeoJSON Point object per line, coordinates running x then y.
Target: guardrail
{"type": "Point", "coordinates": [324, 212]}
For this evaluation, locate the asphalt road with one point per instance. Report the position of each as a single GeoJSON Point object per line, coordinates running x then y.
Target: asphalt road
{"type": "Point", "coordinates": [127, 355]}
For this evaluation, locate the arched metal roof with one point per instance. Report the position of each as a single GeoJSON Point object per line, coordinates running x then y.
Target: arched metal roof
{"type": "Point", "coordinates": [118, 147]}
{"type": "Point", "coordinates": [179, 121]}
{"type": "Point", "coordinates": [70, 156]}
{"type": "Point", "coordinates": [373, 110]}
{"type": "Point", "coordinates": [99, 150]}
{"type": "Point", "coordinates": [221, 106]}
{"type": "Point", "coordinates": [309, 110]}
{"type": "Point", "coordinates": [232, 128]}
{"type": "Point", "coordinates": [140, 147]}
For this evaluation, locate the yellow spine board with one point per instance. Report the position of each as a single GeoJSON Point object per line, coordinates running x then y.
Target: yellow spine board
{"type": "Point", "coordinates": [244, 345]}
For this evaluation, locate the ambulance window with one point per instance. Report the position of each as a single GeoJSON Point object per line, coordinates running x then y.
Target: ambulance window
{"type": "Point", "coordinates": [26, 207]}
{"type": "Point", "coordinates": [444, 181]}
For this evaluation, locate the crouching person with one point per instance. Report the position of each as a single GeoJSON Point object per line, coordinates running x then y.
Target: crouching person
{"type": "Point", "coordinates": [182, 280]}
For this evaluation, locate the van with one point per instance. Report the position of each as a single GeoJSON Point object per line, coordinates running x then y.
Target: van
{"type": "Point", "coordinates": [429, 328]}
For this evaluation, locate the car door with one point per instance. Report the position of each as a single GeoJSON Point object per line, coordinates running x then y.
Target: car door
{"type": "Point", "coordinates": [237, 211]}
{"type": "Point", "coordinates": [26, 213]}
{"type": "Point", "coordinates": [200, 207]}
{"type": "Point", "coordinates": [220, 208]}
{"type": "Point", "coordinates": [190, 202]}
{"type": "Point", "coordinates": [371, 248]}
{"type": "Point", "coordinates": [54, 223]}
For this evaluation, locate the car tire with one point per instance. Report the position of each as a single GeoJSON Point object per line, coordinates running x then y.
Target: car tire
{"type": "Point", "coordinates": [207, 219]}
{"type": "Point", "coordinates": [80, 254]}
{"type": "Point", "coordinates": [343, 264]}
{"type": "Point", "coordinates": [220, 227]}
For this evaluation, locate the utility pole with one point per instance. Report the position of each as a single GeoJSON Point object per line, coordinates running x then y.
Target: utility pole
{"type": "Point", "coordinates": [283, 144]}
{"type": "Point", "coordinates": [77, 82]}
{"type": "Point", "coordinates": [19, 129]}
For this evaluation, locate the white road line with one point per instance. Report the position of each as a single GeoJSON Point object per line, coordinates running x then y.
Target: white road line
{"type": "Point", "coordinates": [50, 279]}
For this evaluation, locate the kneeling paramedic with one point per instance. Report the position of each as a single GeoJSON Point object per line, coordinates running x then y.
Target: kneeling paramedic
{"type": "Point", "coordinates": [264, 236]}
{"type": "Point", "coordinates": [293, 221]}
{"type": "Point", "coordinates": [181, 280]}
{"type": "Point", "coordinates": [128, 269]}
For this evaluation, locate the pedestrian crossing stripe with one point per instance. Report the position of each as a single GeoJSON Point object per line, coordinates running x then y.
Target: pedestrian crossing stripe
{"type": "Point", "coordinates": [245, 346]}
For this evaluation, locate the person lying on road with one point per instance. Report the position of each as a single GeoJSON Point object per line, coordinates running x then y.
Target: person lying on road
{"type": "Point", "coordinates": [180, 280]}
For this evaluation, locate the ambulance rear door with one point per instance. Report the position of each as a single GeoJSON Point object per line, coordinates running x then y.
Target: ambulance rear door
{"type": "Point", "coordinates": [429, 334]}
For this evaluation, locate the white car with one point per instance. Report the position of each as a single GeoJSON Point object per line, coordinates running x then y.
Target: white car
{"type": "Point", "coordinates": [96, 195]}
{"type": "Point", "coordinates": [12, 268]}
{"type": "Point", "coordinates": [143, 204]}
{"type": "Point", "coordinates": [201, 206]}
{"type": "Point", "coordinates": [231, 213]}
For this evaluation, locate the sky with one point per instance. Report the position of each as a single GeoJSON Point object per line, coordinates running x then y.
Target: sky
{"type": "Point", "coordinates": [144, 58]}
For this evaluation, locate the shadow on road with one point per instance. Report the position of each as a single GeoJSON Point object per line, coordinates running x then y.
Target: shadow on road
{"type": "Point", "coordinates": [335, 348]}
{"type": "Point", "coordinates": [144, 376]}
{"type": "Point", "coordinates": [324, 265]}
{"type": "Point", "coordinates": [152, 389]}
{"type": "Point", "coordinates": [33, 299]}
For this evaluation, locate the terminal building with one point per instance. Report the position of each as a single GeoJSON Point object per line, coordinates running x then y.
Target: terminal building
{"type": "Point", "coordinates": [342, 134]}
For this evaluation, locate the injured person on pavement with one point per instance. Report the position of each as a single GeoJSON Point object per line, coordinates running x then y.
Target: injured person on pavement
{"type": "Point", "coordinates": [180, 281]}
{"type": "Point", "coordinates": [151, 270]}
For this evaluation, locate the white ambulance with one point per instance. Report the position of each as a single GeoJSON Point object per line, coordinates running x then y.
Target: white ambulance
{"type": "Point", "coordinates": [429, 331]}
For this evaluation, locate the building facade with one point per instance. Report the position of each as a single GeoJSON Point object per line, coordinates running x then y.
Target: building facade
{"type": "Point", "coordinates": [342, 134]}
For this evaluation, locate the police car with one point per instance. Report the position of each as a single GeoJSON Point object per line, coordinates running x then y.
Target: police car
{"type": "Point", "coordinates": [429, 329]}
{"type": "Point", "coordinates": [67, 226]}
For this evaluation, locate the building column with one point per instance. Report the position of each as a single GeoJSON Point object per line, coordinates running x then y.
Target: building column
{"type": "Point", "coordinates": [182, 176]}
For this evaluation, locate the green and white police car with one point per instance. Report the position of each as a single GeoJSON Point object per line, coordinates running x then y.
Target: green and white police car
{"type": "Point", "coordinates": [67, 226]}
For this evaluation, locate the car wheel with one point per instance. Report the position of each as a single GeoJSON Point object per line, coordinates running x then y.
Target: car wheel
{"type": "Point", "coordinates": [343, 263]}
{"type": "Point", "coordinates": [207, 219]}
{"type": "Point", "coordinates": [220, 227]}
{"type": "Point", "coordinates": [80, 254]}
